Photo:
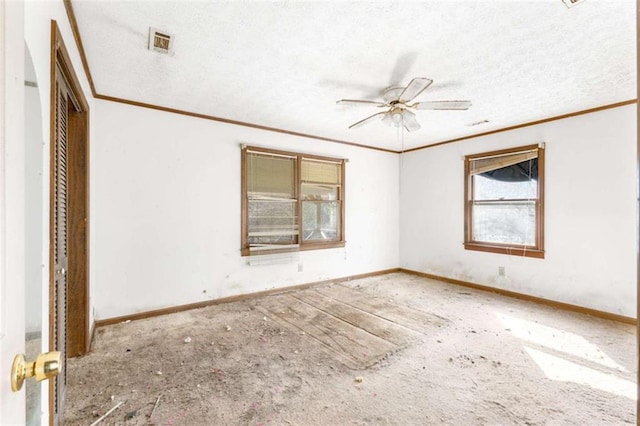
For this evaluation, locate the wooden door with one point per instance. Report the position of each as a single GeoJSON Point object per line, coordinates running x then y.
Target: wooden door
{"type": "Point", "coordinates": [69, 330]}
{"type": "Point", "coordinates": [60, 238]}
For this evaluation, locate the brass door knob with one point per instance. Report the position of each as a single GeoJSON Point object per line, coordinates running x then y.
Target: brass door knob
{"type": "Point", "coordinates": [46, 366]}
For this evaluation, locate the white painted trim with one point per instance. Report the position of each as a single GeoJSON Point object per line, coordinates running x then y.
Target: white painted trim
{"type": "Point", "coordinates": [3, 300]}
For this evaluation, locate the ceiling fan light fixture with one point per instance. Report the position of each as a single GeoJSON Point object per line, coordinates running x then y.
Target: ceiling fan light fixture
{"type": "Point", "coordinates": [389, 120]}
{"type": "Point", "coordinates": [409, 121]}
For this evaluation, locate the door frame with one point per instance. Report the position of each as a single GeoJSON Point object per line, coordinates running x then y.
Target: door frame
{"type": "Point", "coordinates": [78, 325]}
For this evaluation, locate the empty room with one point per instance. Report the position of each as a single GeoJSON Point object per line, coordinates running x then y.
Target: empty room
{"type": "Point", "coordinates": [318, 212]}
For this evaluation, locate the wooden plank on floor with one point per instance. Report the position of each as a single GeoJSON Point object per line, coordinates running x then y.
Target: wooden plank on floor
{"type": "Point", "coordinates": [354, 346]}
{"type": "Point", "coordinates": [373, 324]}
{"type": "Point", "coordinates": [414, 319]}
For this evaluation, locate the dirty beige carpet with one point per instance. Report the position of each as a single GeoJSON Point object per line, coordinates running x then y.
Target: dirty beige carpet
{"type": "Point", "coordinates": [394, 349]}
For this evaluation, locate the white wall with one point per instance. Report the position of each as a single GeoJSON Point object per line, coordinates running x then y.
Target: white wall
{"type": "Point", "coordinates": [590, 231]}
{"type": "Point", "coordinates": [167, 211]}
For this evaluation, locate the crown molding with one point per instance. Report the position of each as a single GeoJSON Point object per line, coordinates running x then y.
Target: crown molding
{"type": "Point", "coordinates": [530, 123]}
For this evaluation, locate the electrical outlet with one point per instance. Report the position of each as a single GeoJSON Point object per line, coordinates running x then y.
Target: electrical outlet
{"type": "Point", "coordinates": [501, 271]}
{"type": "Point", "coordinates": [299, 266]}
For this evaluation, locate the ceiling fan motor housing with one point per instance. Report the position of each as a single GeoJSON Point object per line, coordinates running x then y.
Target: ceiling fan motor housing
{"type": "Point", "coordinates": [391, 94]}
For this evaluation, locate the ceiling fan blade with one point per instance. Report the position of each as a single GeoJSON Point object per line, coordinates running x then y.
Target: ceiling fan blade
{"type": "Point", "coordinates": [366, 120]}
{"type": "Point", "coordinates": [415, 87]}
{"type": "Point", "coordinates": [460, 105]}
{"type": "Point", "coordinates": [360, 102]}
{"type": "Point", "coordinates": [409, 121]}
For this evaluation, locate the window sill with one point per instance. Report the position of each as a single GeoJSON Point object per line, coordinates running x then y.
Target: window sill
{"type": "Point", "coordinates": [505, 249]}
{"type": "Point", "coordinates": [305, 247]}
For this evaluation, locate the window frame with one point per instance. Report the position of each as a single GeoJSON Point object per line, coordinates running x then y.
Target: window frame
{"type": "Point", "coordinates": [535, 251]}
{"type": "Point", "coordinates": [302, 245]}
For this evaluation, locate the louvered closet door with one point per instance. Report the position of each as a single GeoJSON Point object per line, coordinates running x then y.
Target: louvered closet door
{"type": "Point", "coordinates": [60, 241]}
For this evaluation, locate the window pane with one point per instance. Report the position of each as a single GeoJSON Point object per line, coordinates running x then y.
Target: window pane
{"type": "Point", "coordinates": [319, 192]}
{"type": "Point", "coordinates": [492, 189]}
{"type": "Point", "coordinates": [320, 220]}
{"type": "Point", "coordinates": [273, 222]}
{"type": "Point", "coordinates": [508, 223]}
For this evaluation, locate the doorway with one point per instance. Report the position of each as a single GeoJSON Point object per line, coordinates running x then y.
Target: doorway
{"type": "Point", "coordinates": [69, 328]}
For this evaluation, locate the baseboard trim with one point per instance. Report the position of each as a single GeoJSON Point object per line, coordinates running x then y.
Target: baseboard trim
{"type": "Point", "coordinates": [527, 297]}
{"type": "Point", "coordinates": [181, 308]}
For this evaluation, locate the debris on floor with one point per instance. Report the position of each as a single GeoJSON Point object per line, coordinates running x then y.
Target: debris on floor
{"type": "Point", "coordinates": [153, 410]}
{"type": "Point", "coordinates": [307, 363]}
{"type": "Point", "coordinates": [105, 415]}
{"type": "Point", "coordinates": [130, 415]}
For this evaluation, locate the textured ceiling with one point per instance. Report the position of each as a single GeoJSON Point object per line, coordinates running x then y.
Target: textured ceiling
{"type": "Point", "coordinates": [284, 64]}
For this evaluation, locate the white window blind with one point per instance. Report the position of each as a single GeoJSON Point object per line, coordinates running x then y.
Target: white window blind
{"type": "Point", "coordinates": [320, 171]}
{"type": "Point", "coordinates": [487, 164]}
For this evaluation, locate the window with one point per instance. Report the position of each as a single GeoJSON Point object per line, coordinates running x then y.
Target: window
{"type": "Point", "coordinates": [291, 201]}
{"type": "Point", "coordinates": [504, 201]}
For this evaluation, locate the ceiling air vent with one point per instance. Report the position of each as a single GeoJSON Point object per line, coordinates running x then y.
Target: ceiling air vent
{"type": "Point", "coordinates": [160, 41]}
{"type": "Point", "coordinates": [571, 3]}
{"type": "Point", "coordinates": [478, 123]}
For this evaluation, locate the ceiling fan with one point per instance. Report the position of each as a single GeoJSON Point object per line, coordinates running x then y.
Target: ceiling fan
{"type": "Point", "coordinates": [396, 100]}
